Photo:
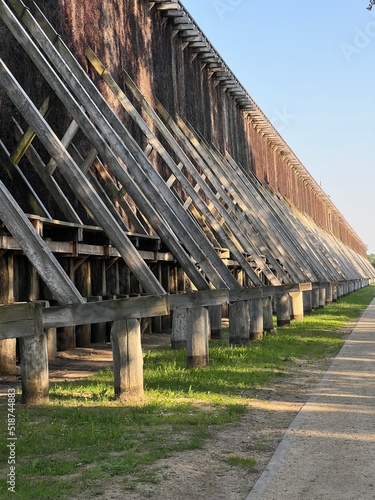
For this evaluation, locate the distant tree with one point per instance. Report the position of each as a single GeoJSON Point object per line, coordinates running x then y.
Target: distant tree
{"type": "Point", "coordinates": [371, 4]}
{"type": "Point", "coordinates": [371, 257]}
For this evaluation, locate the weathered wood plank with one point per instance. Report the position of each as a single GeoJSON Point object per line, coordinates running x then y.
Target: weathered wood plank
{"type": "Point", "coordinates": [245, 294]}
{"type": "Point", "coordinates": [105, 311]}
{"type": "Point", "coordinates": [198, 299]}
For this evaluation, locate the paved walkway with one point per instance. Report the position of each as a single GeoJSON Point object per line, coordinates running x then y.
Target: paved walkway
{"type": "Point", "coordinates": [328, 452]}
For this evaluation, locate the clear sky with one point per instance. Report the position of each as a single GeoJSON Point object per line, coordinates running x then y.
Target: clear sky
{"type": "Point", "coordinates": [310, 67]}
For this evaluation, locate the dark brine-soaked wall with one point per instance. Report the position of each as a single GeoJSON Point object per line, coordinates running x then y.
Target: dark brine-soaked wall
{"type": "Point", "coordinates": [128, 34]}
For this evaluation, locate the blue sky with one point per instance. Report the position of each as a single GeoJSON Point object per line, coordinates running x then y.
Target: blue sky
{"type": "Point", "coordinates": [310, 67]}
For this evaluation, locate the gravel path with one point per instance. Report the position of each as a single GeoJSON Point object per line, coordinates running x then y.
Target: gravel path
{"type": "Point", "coordinates": [328, 452]}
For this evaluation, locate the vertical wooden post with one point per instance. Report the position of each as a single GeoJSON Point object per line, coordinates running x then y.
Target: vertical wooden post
{"type": "Point", "coordinates": [256, 319]}
{"type": "Point", "coordinates": [283, 309]}
{"type": "Point", "coordinates": [239, 323]}
{"type": "Point", "coordinates": [297, 305]}
{"type": "Point", "coordinates": [66, 336]}
{"type": "Point", "coordinates": [83, 283]}
{"type": "Point", "coordinates": [329, 294]}
{"type": "Point", "coordinates": [334, 293]}
{"type": "Point", "coordinates": [179, 328]}
{"type": "Point", "coordinates": [7, 346]}
{"type": "Point", "coordinates": [315, 298]}
{"type": "Point", "coordinates": [127, 359]}
{"type": "Point", "coordinates": [51, 337]}
{"type": "Point", "coordinates": [322, 297]}
{"type": "Point", "coordinates": [34, 363]}
{"type": "Point", "coordinates": [215, 321]}
{"type": "Point", "coordinates": [268, 315]}
{"type": "Point", "coordinates": [198, 320]}
{"type": "Point", "coordinates": [166, 283]}
{"type": "Point", "coordinates": [98, 330]}
{"type": "Point", "coordinates": [307, 301]}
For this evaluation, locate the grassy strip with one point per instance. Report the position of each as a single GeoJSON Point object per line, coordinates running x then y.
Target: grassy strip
{"type": "Point", "coordinates": [84, 441]}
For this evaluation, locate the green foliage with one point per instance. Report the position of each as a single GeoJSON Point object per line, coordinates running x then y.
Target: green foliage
{"type": "Point", "coordinates": [371, 259]}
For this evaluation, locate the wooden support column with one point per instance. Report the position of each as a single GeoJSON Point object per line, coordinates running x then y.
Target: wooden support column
{"type": "Point", "coordinates": [329, 294]}
{"type": "Point", "coordinates": [322, 297]}
{"type": "Point", "coordinates": [166, 283]}
{"type": "Point", "coordinates": [51, 336]}
{"type": "Point", "coordinates": [83, 283]}
{"type": "Point", "coordinates": [268, 315]}
{"type": "Point", "coordinates": [179, 329]}
{"type": "Point", "coordinates": [307, 301]}
{"type": "Point", "coordinates": [99, 290]}
{"type": "Point", "coordinates": [98, 330]}
{"type": "Point", "coordinates": [334, 293]}
{"type": "Point", "coordinates": [127, 359]}
{"type": "Point", "coordinates": [239, 323]}
{"type": "Point", "coordinates": [215, 321]}
{"type": "Point", "coordinates": [198, 321]}
{"type": "Point", "coordinates": [256, 319]}
{"type": "Point", "coordinates": [297, 305]}
{"type": "Point", "coordinates": [34, 363]}
{"type": "Point", "coordinates": [157, 323]}
{"type": "Point", "coordinates": [7, 346]}
{"type": "Point", "coordinates": [283, 309]}
{"type": "Point", "coordinates": [315, 298]}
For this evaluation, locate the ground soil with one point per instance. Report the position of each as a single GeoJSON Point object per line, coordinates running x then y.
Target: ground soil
{"type": "Point", "coordinates": [205, 473]}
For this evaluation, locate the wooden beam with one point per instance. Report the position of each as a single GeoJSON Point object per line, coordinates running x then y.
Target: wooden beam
{"type": "Point", "coordinates": [106, 311]}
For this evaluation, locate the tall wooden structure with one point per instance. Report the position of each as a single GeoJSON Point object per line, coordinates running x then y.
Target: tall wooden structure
{"type": "Point", "coordinates": [133, 162]}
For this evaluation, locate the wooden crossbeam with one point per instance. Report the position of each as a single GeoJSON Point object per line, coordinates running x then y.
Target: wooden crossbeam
{"type": "Point", "coordinates": [65, 141]}
{"type": "Point", "coordinates": [28, 137]}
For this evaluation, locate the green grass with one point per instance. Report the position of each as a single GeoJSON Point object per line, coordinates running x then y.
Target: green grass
{"type": "Point", "coordinates": [245, 462]}
{"type": "Point", "coordinates": [84, 440]}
